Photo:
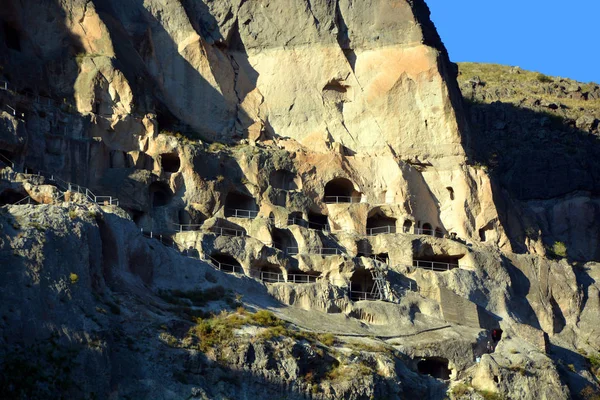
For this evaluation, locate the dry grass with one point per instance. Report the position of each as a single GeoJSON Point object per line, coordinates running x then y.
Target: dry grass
{"type": "Point", "coordinates": [516, 87]}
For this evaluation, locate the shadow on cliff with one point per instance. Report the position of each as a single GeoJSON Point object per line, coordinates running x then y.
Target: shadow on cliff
{"type": "Point", "coordinates": [531, 156]}
{"type": "Point", "coordinates": [136, 47]}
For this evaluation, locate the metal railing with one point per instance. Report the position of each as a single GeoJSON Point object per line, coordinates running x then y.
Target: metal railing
{"type": "Point", "coordinates": [274, 277]}
{"type": "Point", "coordinates": [167, 241]}
{"type": "Point", "coordinates": [301, 278]}
{"type": "Point", "coordinates": [229, 268]}
{"type": "Point", "coordinates": [341, 199]}
{"type": "Point", "coordinates": [358, 296]}
{"type": "Point", "coordinates": [72, 187]}
{"type": "Point", "coordinates": [25, 200]}
{"type": "Point", "coordinates": [227, 231]}
{"type": "Point", "coordinates": [7, 161]}
{"type": "Point", "coordinates": [236, 213]}
{"type": "Point", "coordinates": [434, 265]}
{"type": "Point", "coordinates": [430, 232]}
{"type": "Point", "coordinates": [325, 251]}
{"type": "Point", "coordinates": [271, 277]}
{"type": "Point", "coordinates": [381, 230]}
{"type": "Point", "coordinates": [308, 224]}
{"type": "Point", "coordinates": [187, 227]}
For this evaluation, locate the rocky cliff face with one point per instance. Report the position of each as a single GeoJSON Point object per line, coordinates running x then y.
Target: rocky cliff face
{"type": "Point", "coordinates": [312, 158]}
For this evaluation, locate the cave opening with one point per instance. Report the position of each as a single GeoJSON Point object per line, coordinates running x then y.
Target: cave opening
{"type": "Point", "coordinates": [10, 196]}
{"type": "Point", "coordinates": [407, 226]}
{"type": "Point", "coordinates": [298, 276]}
{"type": "Point", "coordinates": [240, 205]}
{"type": "Point", "coordinates": [268, 272]}
{"type": "Point", "coordinates": [226, 263]}
{"type": "Point", "coordinates": [283, 179]}
{"type": "Point", "coordinates": [12, 37]}
{"type": "Point", "coordinates": [284, 240]}
{"type": "Point", "coordinates": [170, 162]}
{"type": "Point", "coordinates": [439, 233]}
{"type": "Point", "coordinates": [361, 285]}
{"type": "Point", "coordinates": [295, 218]}
{"type": "Point", "coordinates": [160, 194]}
{"type": "Point", "coordinates": [436, 367]}
{"type": "Point", "coordinates": [378, 223]}
{"type": "Point", "coordinates": [7, 157]}
{"type": "Point", "coordinates": [318, 221]}
{"type": "Point", "coordinates": [427, 229]}
{"type": "Point", "coordinates": [341, 190]}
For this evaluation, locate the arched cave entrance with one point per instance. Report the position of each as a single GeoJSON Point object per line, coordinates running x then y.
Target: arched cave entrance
{"type": "Point", "coordinates": [240, 205]}
{"type": "Point", "coordinates": [268, 272]}
{"type": "Point", "coordinates": [10, 196]}
{"type": "Point", "coordinates": [341, 190]}
{"type": "Point", "coordinates": [297, 276]}
{"type": "Point", "coordinates": [170, 162]}
{"type": "Point", "coordinates": [283, 179]}
{"type": "Point", "coordinates": [407, 226]}
{"type": "Point", "coordinates": [160, 194]}
{"type": "Point", "coordinates": [434, 366]}
{"type": "Point", "coordinates": [361, 285]}
{"type": "Point", "coordinates": [318, 221]}
{"type": "Point", "coordinates": [226, 263]}
{"type": "Point", "coordinates": [12, 37]}
{"type": "Point", "coordinates": [295, 218]}
{"type": "Point", "coordinates": [427, 229]}
{"type": "Point", "coordinates": [284, 240]}
{"type": "Point", "coordinates": [378, 223]}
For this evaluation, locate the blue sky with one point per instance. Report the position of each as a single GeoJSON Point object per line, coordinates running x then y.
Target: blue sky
{"type": "Point", "coordinates": [559, 38]}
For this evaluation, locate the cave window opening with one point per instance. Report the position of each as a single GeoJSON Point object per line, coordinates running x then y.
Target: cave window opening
{"type": "Point", "coordinates": [160, 194]}
{"type": "Point", "coordinates": [438, 263]}
{"type": "Point", "coordinates": [362, 285]}
{"type": "Point", "coordinates": [137, 216]}
{"type": "Point", "coordinates": [341, 190]}
{"type": "Point", "coordinates": [12, 38]}
{"type": "Point", "coordinates": [451, 192]}
{"type": "Point", "coordinates": [378, 223]}
{"type": "Point", "coordinates": [407, 226]}
{"type": "Point", "coordinates": [297, 276]}
{"type": "Point", "coordinates": [284, 240]}
{"type": "Point", "coordinates": [436, 367]}
{"type": "Point", "coordinates": [283, 179]}
{"type": "Point", "coordinates": [240, 206]}
{"type": "Point", "coordinates": [170, 162]}
{"type": "Point", "coordinates": [318, 221]}
{"type": "Point", "coordinates": [269, 273]}
{"type": "Point", "coordinates": [226, 263]}
{"type": "Point", "coordinates": [427, 229]}
{"type": "Point", "coordinates": [482, 234]}
{"type": "Point", "coordinates": [10, 196]}
{"type": "Point", "coordinates": [295, 218]}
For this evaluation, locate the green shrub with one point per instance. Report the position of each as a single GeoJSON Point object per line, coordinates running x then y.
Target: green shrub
{"type": "Point", "coordinates": [460, 390]}
{"type": "Point", "coordinates": [487, 395]}
{"type": "Point", "coordinates": [216, 147]}
{"type": "Point", "coordinates": [544, 78]}
{"type": "Point", "coordinates": [559, 249]}
{"type": "Point", "coordinates": [589, 393]}
{"type": "Point", "coordinates": [327, 339]}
